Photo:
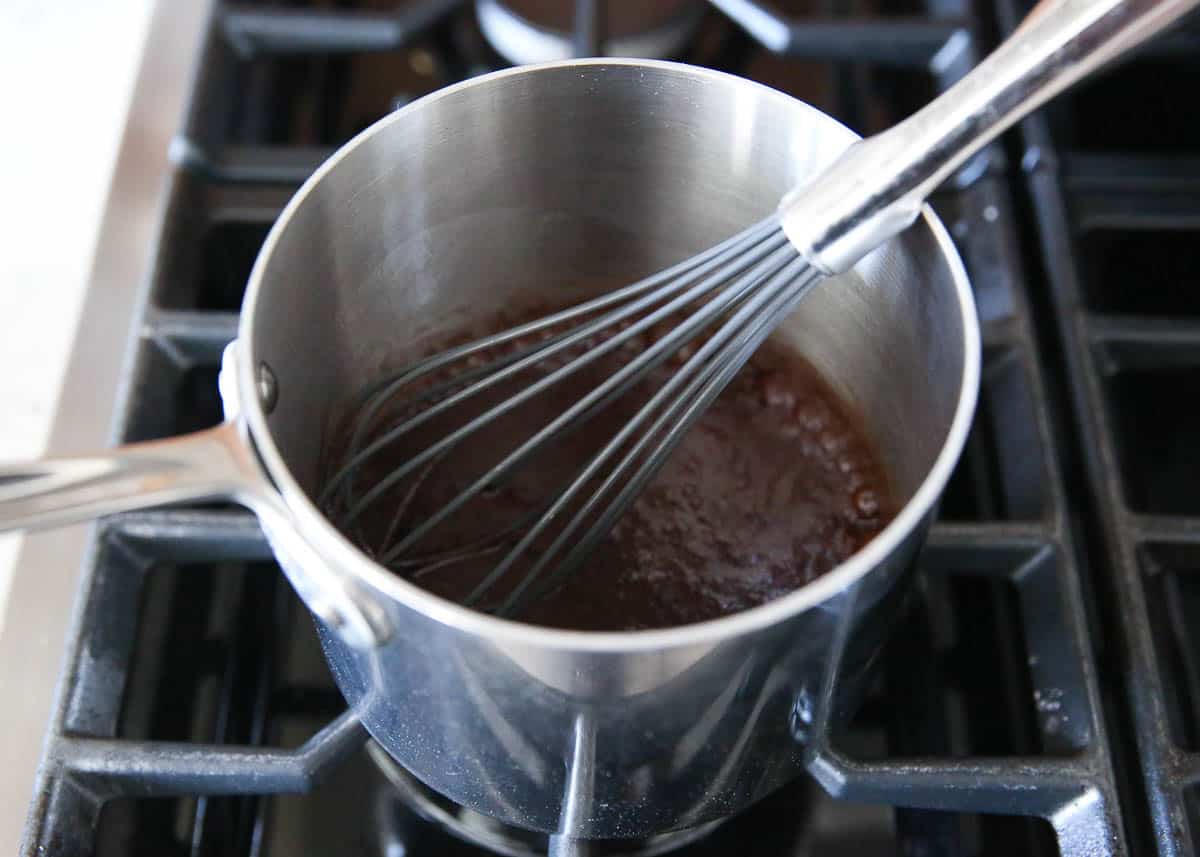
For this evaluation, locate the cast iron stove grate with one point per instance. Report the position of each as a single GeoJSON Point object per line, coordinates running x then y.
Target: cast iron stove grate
{"type": "Point", "coordinates": [1112, 175]}
{"type": "Point", "coordinates": [196, 716]}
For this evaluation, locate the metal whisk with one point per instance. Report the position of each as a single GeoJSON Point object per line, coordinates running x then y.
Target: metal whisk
{"type": "Point", "coordinates": [743, 286]}
{"type": "Point", "coordinates": [725, 302]}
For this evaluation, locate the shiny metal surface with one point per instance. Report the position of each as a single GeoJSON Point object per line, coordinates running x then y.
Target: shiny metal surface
{"type": "Point", "coordinates": [567, 175]}
{"type": "Point", "coordinates": [578, 173]}
{"type": "Point", "coordinates": [878, 186]}
{"type": "Point", "coordinates": [489, 834]}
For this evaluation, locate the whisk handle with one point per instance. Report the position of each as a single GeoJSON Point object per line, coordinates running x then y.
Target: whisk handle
{"type": "Point", "coordinates": [877, 186]}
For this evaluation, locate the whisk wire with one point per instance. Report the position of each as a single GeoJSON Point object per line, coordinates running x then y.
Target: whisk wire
{"type": "Point", "coordinates": [735, 292]}
{"type": "Point", "coordinates": [760, 293]}
{"type": "Point", "coordinates": [717, 375]}
{"type": "Point", "coordinates": [613, 387]}
{"type": "Point", "coordinates": [714, 364]}
{"type": "Point", "coordinates": [676, 277]}
{"type": "Point", "coordinates": [774, 246]}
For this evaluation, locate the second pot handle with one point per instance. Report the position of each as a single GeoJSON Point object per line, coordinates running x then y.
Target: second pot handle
{"type": "Point", "coordinates": [210, 464]}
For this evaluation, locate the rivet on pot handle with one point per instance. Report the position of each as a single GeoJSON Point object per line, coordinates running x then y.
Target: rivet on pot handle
{"type": "Point", "coordinates": [210, 464]}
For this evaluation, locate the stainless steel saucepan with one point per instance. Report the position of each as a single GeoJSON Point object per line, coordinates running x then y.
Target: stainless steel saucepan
{"type": "Point", "coordinates": [545, 178]}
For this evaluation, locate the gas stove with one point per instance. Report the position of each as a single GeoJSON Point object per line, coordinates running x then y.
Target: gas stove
{"type": "Point", "coordinates": [1041, 695]}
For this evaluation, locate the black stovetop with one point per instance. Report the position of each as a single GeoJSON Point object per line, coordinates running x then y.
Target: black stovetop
{"type": "Point", "coordinates": [1043, 695]}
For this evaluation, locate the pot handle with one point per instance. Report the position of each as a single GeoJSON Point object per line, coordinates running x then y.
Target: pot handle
{"type": "Point", "coordinates": [58, 491]}
{"type": "Point", "coordinates": [209, 464]}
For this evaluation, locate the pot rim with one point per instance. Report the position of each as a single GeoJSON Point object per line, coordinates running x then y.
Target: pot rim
{"type": "Point", "coordinates": [312, 526]}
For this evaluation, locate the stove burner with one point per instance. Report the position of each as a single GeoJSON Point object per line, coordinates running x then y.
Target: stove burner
{"type": "Point", "coordinates": [409, 793]}
{"type": "Point", "coordinates": [527, 31]}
